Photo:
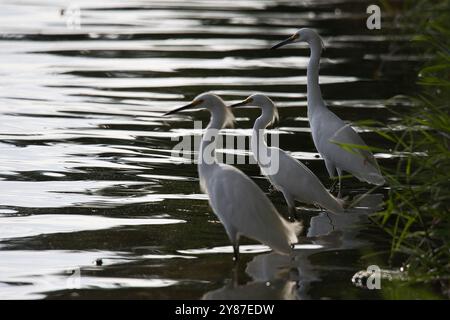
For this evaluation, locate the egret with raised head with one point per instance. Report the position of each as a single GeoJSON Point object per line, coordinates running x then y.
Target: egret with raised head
{"type": "Point", "coordinates": [329, 132]}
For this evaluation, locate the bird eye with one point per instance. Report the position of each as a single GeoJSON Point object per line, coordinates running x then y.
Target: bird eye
{"type": "Point", "coordinates": [197, 102]}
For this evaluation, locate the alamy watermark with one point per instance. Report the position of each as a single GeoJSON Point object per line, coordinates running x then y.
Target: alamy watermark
{"type": "Point", "coordinates": [190, 148]}
{"type": "Point", "coordinates": [369, 278]}
{"type": "Point", "coordinates": [374, 279]}
{"type": "Point", "coordinates": [374, 19]}
{"type": "Point", "coordinates": [72, 15]}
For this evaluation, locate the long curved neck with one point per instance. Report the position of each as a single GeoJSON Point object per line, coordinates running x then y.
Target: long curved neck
{"type": "Point", "coordinates": [258, 142]}
{"type": "Point", "coordinates": [314, 95]}
{"type": "Point", "coordinates": [207, 156]}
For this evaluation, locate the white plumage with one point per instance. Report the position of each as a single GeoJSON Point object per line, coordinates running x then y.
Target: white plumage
{"type": "Point", "coordinates": [288, 175]}
{"type": "Point", "coordinates": [236, 200]}
{"type": "Point", "coordinates": [328, 130]}
{"type": "Point", "coordinates": [245, 210]}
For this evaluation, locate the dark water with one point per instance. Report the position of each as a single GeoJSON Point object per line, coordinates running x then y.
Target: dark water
{"type": "Point", "coordinates": [86, 169]}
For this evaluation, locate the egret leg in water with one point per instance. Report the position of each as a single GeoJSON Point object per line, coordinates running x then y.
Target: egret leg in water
{"type": "Point", "coordinates": [238, 202]}
{"type": "Point", "coordinates": [236, 251]}
{"type": "Point", "coordinates": [291, 177]}
{"type": "Point", "coordinates": [329, 132]}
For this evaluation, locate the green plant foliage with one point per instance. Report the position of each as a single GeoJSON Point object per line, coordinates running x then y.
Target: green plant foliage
{"type": "Point", "coordinates": [417, 212]}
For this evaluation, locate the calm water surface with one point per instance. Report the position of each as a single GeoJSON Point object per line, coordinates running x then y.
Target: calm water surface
{"type": "Point", "coordinates": [93, 203]}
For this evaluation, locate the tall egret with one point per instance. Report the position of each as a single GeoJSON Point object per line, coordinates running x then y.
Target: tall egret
{"type": "Point", "coordinates": [288, 175]}
{"type": "Point", "coordinates": [239, 203]}
{"type": "Point", "coordinates": [328, 130]}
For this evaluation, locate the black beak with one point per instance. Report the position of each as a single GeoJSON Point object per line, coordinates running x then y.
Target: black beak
{"type": "Point", "coordinates": [284, 42]}
{"type": "Point", "coordinates": [239, 104]}
{"type": "Point", "coordinates": [242, 103]}
{"type": "Point", "coordinates": [190, 105]}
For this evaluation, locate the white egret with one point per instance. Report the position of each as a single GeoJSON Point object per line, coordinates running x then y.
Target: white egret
{"type": "Point", "coordinates": [239, 203]}
{"type": "Point", "coordinates": [328, 130]}
{"type": "Point", "coordinates": [286, 174]}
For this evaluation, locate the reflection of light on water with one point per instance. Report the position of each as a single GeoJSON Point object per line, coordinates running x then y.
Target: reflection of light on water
{"type": "Point", "coordinates": [117, 83]}
{"type": "Point", "coordinates": [165, 256]}
{"type": "Point", "coordinates": [227, 249]}
{"type": "Point", "coordinates": [308, 246]}
{"type": "Point", "coordinates": [162, 177]}
{"type": "Point", "coordinates": [29, 274]}
{"type": "Point", "coordinates": [115, 283]}
{"type": "Point", "coordinates": [57, 194]}
{"type": "Point", "coordinates": [257, 248]}
{"type": "Point", "coordinates": [27, 226]}
{"type": "Point", "coordinates": [7, 211]}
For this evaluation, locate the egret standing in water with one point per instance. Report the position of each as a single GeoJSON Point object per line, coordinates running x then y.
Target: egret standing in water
{"type": "Point", "coordinates": [288, 175]}
{"type": "Point", "coordinates": [328, 130]}
{"type": "Point", "coordinates": [239, 203]}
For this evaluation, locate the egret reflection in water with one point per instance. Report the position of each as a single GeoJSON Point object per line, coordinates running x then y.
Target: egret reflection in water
{"type": "Point", "coordinates": [276, 276]}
